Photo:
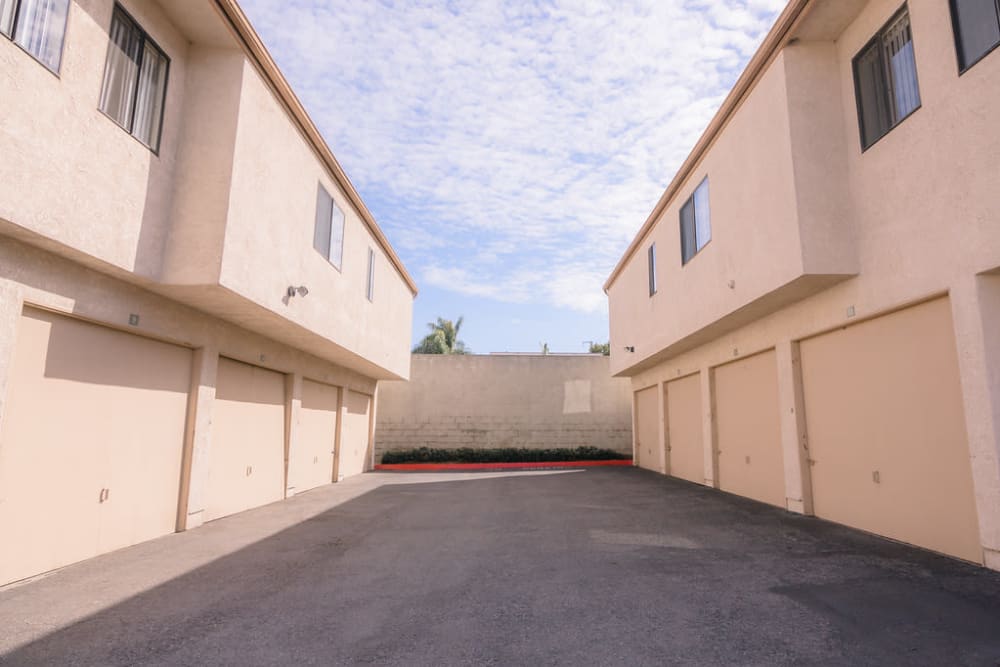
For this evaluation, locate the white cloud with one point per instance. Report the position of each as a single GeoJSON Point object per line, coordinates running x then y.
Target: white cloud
{"type": "Point", "coordinates": [523, 142]}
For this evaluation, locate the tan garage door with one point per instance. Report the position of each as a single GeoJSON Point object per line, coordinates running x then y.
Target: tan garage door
{"type": "Point", "coordinates": [248, 439]}
{"type": "Point", "coordinates": [311, 463]}
{"type": "Point", "coordinates": [687, 455]}
{"type": "Point", "coordinates": [886, 430]}
{"type": "Point", "coordinates": [354, 439]}
{"type": "Point", "coordinates": [647, 434]}
{"type": "Point", "coordinates": [91, 444]}
{"type": "Point", "coordinates": [748, 429]}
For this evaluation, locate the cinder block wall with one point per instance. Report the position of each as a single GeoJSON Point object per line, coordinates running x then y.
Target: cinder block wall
{"type": "Point", "coordinates": [486, 401]}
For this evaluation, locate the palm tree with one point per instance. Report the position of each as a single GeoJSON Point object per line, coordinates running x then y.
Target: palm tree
{"type": "Point", "coordinates": [443, 338]}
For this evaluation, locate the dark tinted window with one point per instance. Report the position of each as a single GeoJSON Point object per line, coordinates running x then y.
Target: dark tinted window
{"type": "Point", "coordinates": [977, 29]}
{"type": "Point", "coordinates": [885, 79]}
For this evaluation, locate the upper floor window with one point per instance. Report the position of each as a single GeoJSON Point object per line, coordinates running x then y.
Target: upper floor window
{"type": "Point", "coordinates": [328, 234]}
{"type": "Point", "coordinates": [651, 257]}
{"type": "Point", "coordinates": [885, 79]}
{"type": "Point", "coordinates": [38, 26]}
{"type": "Point", "coordinates": [135, 80]}
{"type": "Point", "coordinates": [370, 288]}
{"type": "Point", "coordinates": [696, 223]}
{"type": "Point", "coordinates": [977, 29]}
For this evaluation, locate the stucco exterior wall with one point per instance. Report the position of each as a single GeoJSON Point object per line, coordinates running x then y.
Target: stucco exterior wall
{"type": "Point", "coordinates": [221, 217]}
{"type": "Point", "coordinates": [485, 401]}
{"type": "Point", "coordinates": [920, 213]}
{"type": "Point", "coordinates": [69, 173]}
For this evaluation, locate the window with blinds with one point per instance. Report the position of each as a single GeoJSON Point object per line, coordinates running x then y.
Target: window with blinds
{"type": "Point", "coordinates": [328, 234]}
{"type": "Point", "coordinates": [135, 80]}
{"type": "Point", "coordinates": [651, 261]}
{"type": "Point", "coordinates": [885, 80]}
{"type": "Point", "coordinates": [977, 29]}
{"type": "Point", "coordinates": [37, 26]}
{"type": "Point", "coordinates": [370, 283]}
{"type": "Point", "coordinates": [696, 223]}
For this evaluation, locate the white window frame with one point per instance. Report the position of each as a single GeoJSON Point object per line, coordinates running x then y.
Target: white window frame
{"type": "Point", "coordinates": [330, 218]}
{"type": "Point", "coordinates": [701, 226]}
{"type": "Point", "coordinates": [37, 43]}
{"type": "Point", "coordinates": [370, 287]}
{"type": "Point", "coordinates": [651, 266]}
{"type": "Point", "coordinates": [138, 89]}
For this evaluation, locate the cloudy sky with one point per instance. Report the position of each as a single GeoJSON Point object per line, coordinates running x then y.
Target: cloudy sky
{"type": "Point", "coordinates": [511, 149]}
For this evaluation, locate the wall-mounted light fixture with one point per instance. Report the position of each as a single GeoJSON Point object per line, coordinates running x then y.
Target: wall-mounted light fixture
{"type": "Point", "coordinates": [301, 290]}
{"type": "Point", "coordinates": [630, 348]}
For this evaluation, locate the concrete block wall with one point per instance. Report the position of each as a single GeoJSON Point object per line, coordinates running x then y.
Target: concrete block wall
{"type": "Point", "coordinates": [487, 401]}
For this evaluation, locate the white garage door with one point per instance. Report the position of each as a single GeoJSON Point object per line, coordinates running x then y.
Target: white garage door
{"type": "Point", "coordinates": [887, 430]}
{"type": "Point", "coordinates": [647, 433]}
{"type": "Point", "coordinates": [751, 462]}
{"type": "Point", "coordinates": [311, 463]}
{"type": "Point", "coordinates": [354, 439]}
{"type": "Point", "coordinates": [91, 442]}
{"type": "Point", "coordinates": [247, 466]}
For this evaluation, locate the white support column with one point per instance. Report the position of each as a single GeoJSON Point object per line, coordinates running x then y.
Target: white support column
{"type": "Point", "coordinates": [635, 427]}
{"type": "Point", "coordinates": [794, 446]}
{"type": "Point", "coordinates": [293, 412]}
{"type": "Point", "coordinates": [661, 425]}
{"type": "Point", "coordinates": [975, 304]}
{"type": "Point", "coordinates": [11, 306]}
{"type": "Point", "coordinates": [709, 434]}
{"type": "Point", "coordinates": [339, 436]}
{"type": "Point", "coordinates": [372, 415]}
{"type": "Point", "coordinates": [198, 439]}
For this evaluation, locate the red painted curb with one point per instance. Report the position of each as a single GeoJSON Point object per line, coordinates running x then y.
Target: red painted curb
{"type": "Point", "coordinates": [432, 467]}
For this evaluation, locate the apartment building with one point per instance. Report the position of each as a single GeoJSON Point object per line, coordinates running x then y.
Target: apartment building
{"type": "Point", "coordinates": [810, 317]}
{"type": "Point", "coordinates": [195, 305]}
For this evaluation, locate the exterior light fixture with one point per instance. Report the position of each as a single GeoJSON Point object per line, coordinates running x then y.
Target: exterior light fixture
{"type": "Point", "coordinates": [630, 348]}
{"type": "Point", "coordinates": [301, 290]}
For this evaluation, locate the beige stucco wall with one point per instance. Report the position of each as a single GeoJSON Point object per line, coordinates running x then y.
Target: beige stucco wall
{"type": "Point", "coordinates": [69, 173]}
{"type": "Point", "coordinates": [505, 401]}
{"type": "Point", "coordinates": [755, 183]}
{"type": "Point", "coordinates": [921, 207]}
{"type": "Point", "coordinates": [222, 217]}
{"type": "Point", "coordinates": [32, 277]}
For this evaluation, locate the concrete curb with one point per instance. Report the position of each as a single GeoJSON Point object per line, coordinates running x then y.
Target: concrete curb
{"type": "Point", "coordinates": [534, 465]}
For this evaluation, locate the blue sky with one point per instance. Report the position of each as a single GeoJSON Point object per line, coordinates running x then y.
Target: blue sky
{"type": "Point", "coordinates": [511, 150]}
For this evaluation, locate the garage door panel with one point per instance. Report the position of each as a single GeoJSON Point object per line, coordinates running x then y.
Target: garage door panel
{"type": "Point", "coordinates": [354, 439]}
{"type": "Point", "coordinates": [887, 431]}
{"type": "Point", "coordinates": [647, 415]}
{"type": "Point", "coordinates": [81, 399]}
{"type": "Point", "coordinates": [751, 463]}
{"type": "Point", "coordinates": [247, 466]}
{"type": "Point", "coordinates": [684, 423]}
{"type": "Point", "coordinates": [313, 460]}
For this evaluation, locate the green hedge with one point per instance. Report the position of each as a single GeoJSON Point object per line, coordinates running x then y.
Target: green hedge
{"type": "Point", "coordinates": [503, 455]}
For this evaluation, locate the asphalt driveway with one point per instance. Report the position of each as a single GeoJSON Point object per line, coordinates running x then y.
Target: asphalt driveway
{"type": "Point", "coordinates": [602, 567]}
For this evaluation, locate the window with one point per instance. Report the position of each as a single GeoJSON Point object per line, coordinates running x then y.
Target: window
{"type": "Point", "coordinates": [38, 26]}
{"type": "Point", "coordinates": [885, 80]}
{"type": "Point", "coordinates": [371, 275]}
{"type": "Point", "coordinates": [328, 235]}
{"type": "Point", "coordinates": [135, 80]}
{"type": "Point", "coordinates": [696, 223]}
{"type": "Point", "coordinates": [651, 254]}
{"type": "Point", "coordinates": [977, 29]}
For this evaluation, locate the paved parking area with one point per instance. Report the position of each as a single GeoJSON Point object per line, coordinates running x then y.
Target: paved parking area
{"type": "Point", "coordinates": [602, 567]}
